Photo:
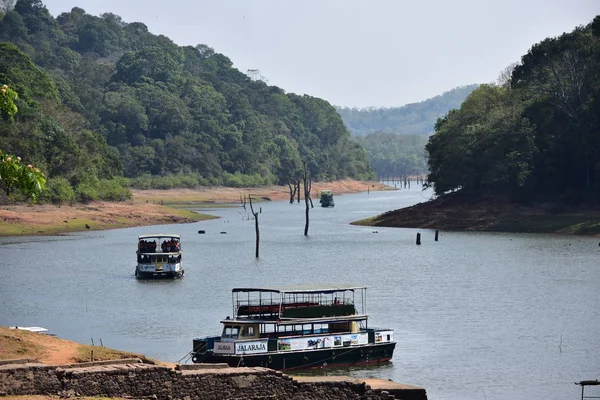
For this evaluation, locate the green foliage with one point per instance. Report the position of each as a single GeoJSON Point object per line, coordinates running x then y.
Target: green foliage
{"type": "Point", "coordinates": [120, 101]}
{"type": "Point", "coordinates": [147, 181]}
{"type": "Point", "coordinates": [58, 191]}
{"type": "Point", "coordinates": [411, 119]}
{"type": "Point", "coordinates": [239, 180]}
{"type": "Point", "coordinates": [86, 192]}
{"type": "Point", "coordinates": [111, 190]}
{"type": "Point", "coordinates": [15, 175]}
{"type": "Point", "coordinates": [17, 70]}
{"type": "Point", "coordinates": [7, 102]}
{"type": "Point", "coordinates": [395, 138]}
{"type": "Point", "coordinates": [392, 155]}
{"type": "Point", "coordinates": [537, 136]}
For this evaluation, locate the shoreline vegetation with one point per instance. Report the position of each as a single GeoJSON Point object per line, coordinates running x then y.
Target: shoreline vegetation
{"type": "Point", "coordinates": [149, 207]}
{"type": "Point", "coordinates": [455, 212]}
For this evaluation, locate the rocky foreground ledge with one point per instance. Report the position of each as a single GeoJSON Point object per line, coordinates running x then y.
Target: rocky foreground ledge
{"type": "Point", "coordinates": [134, 379]}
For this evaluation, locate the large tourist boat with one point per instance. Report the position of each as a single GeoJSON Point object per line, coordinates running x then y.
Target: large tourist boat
{"type": "Point", "coordinates": [294, 327]}
{"type": "Point", "coordinates": [159, 256]}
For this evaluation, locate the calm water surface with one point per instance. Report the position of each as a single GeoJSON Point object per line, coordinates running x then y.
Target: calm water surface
{"type": "Point", "coordinates": [477, 315]}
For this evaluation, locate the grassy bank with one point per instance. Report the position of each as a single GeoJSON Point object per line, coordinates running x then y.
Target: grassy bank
{"type": "Point", "coordinates": [18, 220]}
{"type": "Point", "coordinates": [18, 344]}
{"type": "Point", "coordinates": [148, 207]}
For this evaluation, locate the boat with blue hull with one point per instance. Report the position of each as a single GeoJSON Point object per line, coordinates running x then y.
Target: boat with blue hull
{"type": "Point", "coordinates": [159, 256]}
{"type": "Point", "coordinates": [297, 327]}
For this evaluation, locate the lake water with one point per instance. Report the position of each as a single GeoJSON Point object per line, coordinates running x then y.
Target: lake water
{"type": "Point", "coordinates": [476, 315]}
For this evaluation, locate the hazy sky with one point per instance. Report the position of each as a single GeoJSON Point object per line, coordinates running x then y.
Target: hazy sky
{"type": "Point", "coordinates": [358, 53]}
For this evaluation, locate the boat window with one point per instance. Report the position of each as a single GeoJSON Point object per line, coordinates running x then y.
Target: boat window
{"type": "Point", "coordinates": [231, 332]}
{"type": "Point", "coordinates": [248, 331]}
{"type": "Point", "coordinates": [321, 328]}
{"type": "Point", "coordinates": [267, 328]}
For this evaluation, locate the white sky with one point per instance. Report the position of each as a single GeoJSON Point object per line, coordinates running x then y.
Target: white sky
{"type": "Point", "coordinates": [358, 53]}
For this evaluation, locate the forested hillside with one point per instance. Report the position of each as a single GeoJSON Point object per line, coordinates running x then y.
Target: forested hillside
{"type": "Point", "coordinates": [417, 118]}
{"type": "Point", "coordinates": [100, 98]}
{"type": "Point", "coordinates": [395, 138]}
{"type": "Point", "coordinates": [395, 156]}
{"type": "Point", "coordinates": [535, 136]}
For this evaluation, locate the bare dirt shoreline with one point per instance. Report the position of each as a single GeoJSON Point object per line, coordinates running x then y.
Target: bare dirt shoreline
{"type": "Point", "coordinates": [492, 212]}
{"type": "Point", "coordinates": [147, 207]}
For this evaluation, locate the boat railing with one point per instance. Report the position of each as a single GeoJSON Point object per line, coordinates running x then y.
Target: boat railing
{"type": "Point", "coordinates": [163, 258]}
{"type": "Point", "coordinates": [302, 309]}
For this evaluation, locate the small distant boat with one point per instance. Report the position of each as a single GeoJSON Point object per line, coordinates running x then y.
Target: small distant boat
{"type": "Point", "coordinates": [297, 327]}
{"type": "Point", "coordinates": [35, 329]}
{"type": "Point", "coordinates": [159, 256]}
{"type": "Point", "coordinates": [327, 198]}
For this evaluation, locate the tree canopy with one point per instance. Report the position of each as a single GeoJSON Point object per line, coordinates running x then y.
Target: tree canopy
{"type": "Point", "coordinates": [14, 174]}
{"type": "Point", "coordinates": [537, 135]}
{"type": "Point", "coordinates": [411, 119]}
{"type": "Point", "coordinates": [100, 98]}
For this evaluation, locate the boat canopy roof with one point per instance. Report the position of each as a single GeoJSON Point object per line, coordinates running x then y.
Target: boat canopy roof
{"type": "Point", "coordinates": [295, 321]}
{"type": "Point", "coordinates": [326, 192]}
{"type": "Point", "coordinates": [312, 288]}
{"type": "Point", "coordinates": [159, 236]}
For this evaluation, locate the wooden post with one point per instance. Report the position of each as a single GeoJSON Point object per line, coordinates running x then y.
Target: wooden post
{"type": "Point", "coordinates": [436, 235]}
{"type": "Point", "coordinates": [418, 238]}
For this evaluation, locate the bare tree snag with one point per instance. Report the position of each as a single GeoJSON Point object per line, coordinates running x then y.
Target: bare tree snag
{"type": "Point", "coordinates": [292, 192]}
{"type": "Point", "coordinates": [307, 185]}
{"type": "Point", "coordinates": [255, 225]}
{"type": "Point", "coordinates": [309, 190]}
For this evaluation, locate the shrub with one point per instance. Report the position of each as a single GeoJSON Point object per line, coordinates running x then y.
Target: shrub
{"type": "Point", "coordinates": [58, 190]}
{"type": "Point", "coordinates": [111, 190]}
{"type": "Point", "coordinates": [86, 193]}
{"type": "Point", "coordinates": [241, 180]}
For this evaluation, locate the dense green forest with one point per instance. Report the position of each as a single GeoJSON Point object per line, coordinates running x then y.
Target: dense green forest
{"type": "Point", "coordinates": [101, 100]}
{"type": "Point", "coordinates": [416, 118]}
{"type": "Point", "coordinates": [395, 156]}
{"type": "Point", "coordinates": [537, 135]}
{"type": "Point", "coordinates": [395, 138]}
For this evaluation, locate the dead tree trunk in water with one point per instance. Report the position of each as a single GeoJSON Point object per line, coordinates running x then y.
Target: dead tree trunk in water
{"type": "Point", "coordinates": [307, 185]}
{"type": "Point", "coordinates": [255, 225]}
{"type": "Point", "coordinates": [292, 192]}
{"type": "Point", "coordinates": [298, 186]}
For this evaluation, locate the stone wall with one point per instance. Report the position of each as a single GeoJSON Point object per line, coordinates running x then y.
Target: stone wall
{"type": "Point", "coordinates": [139, 380]}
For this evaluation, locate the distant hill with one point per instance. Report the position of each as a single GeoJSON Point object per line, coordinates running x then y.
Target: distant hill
{"type": "Point", "coordinates": [415, 118]}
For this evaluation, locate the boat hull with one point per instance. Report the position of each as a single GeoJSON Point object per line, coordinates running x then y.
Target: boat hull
{"type": "Point", "coordinates": [158, 274]}
{"type": "Point", "coordinates": [318, 358]}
